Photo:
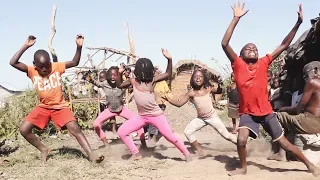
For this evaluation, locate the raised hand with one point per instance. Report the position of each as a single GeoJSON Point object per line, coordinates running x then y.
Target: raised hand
{"type": "Point", "coordinates": [300, 15]}
{"type": "Point", "coordinates": [166, 53]}
{"type": "Point", "coordinates": [238, 9]}
{"type": "Point", "coordinates": [79, 40]}
{"type": "Point", "coordinates": [121, 68]}
{"type": "Point", "coordinates": [30, 41]}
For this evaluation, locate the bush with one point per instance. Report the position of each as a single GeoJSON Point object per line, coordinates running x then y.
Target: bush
{"type": "Point", "coordinates": [17, 107]}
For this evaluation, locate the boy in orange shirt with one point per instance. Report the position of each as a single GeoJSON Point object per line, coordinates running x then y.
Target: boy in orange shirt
{"type": "Point", "coordinates": [46, 79]}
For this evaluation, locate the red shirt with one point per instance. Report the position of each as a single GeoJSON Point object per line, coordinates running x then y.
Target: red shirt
{"type": "Point", "coordinates": [252, 85]}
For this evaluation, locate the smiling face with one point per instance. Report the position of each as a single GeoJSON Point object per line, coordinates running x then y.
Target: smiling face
{"type": "Point", "coordinates": [249, 53]}
{"type": "Point", "coordinates": [113, 76]}
{"type": "Point", "coordinates": [198, 78]}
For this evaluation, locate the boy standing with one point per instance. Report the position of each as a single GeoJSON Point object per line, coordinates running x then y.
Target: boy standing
{"type": "Point", "coordinates": [46, 78]}
{"type": "Point", "coordinates": [251, 78]}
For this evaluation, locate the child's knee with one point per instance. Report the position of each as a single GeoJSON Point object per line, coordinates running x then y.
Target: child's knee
{"type": "Point", "coordinates": [242, 139]}
{"type": "Point", "coordinates": [285, 144]}
{"type": "Point", "coordinates": [96, 124]}
{"type": "Point", "coordinates": [25, 129]}
{"type": "Point", "coordinates": [188, 132]}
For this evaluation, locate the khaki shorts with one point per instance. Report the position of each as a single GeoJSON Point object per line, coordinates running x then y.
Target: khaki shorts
{"type": "Point", "coordinates": [233, 111]}
{"type": "Point", "coordinates": [303, 123]}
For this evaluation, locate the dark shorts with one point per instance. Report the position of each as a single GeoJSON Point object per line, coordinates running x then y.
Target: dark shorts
{"type": "Point", "coordinates": [269, 123]}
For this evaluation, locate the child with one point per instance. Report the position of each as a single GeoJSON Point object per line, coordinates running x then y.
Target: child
{"type": "Point", "coordinates": [233, 103]}
{"type": "Point", "coordinates": [148, 110]}
{"type": "Point", "coordinates": [102, 96]}
{"type": "Point", "coordinates": [200, 95]}
{"type": "Point", "coordinates": [114, 103]}
{"type": "Point", "coordinates": [46, 78]}
{"type": "Point", "coordinates": [251, 79]}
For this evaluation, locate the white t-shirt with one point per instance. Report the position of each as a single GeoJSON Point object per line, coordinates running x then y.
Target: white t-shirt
{"type": "Point", "coordinates": [296, 98]}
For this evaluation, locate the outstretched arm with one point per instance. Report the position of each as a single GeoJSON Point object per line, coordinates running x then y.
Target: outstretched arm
{"type": "Point", "coordinates": [288, 39]}
{"type": "Point", "coordinates": [168, 72]}
{"type": "Point", "coordinates": [181, 101]}
{"type": "Point", "coordinates": [238, 12]}
{"type": "Point", "coordinates": [14, 62]}
{"type": "Point", "coordinates": [306, 96]}
{"type": "Point", "coordinates": [76, 59]}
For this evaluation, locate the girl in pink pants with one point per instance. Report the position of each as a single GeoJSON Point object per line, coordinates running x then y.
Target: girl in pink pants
{"type": "Point", "coordinates": [148, 110]}
{"type": "Point", "coordinates": [114, 103]}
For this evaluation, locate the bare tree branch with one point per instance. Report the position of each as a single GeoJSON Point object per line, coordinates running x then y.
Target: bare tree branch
{"type": "Point", "coordinates": [53, 33]}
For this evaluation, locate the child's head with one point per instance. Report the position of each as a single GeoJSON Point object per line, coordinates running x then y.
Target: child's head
{"type": "Point", "coordinates": [276, 82]}
{"type": "Point", "coordinates": [249, 53]}
{"type": "Point", "coordinates": [311, 70]}
{"type": "Point", "coordinates": [102, 76]}
{"type": "Point", "coordinates": [42, 62]}
{"type": "Point", "coordinates": [199, 79]}
{"type": "Point", "coordinates": [144, 70]}
{"type": "Point", "coordinates": [232, 76]}
{"type": "Point", "coordinates": [127, 72]}
{"type": "Point", "coordinates": [112, 74]}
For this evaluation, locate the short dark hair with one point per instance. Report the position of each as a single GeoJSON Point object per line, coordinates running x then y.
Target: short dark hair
{"type": "Point", "coordinates": [41, 52]}
{"type": "Point", "coordinates": [144, 70]}
{"type": "Point", "coordinates": [206, 82]}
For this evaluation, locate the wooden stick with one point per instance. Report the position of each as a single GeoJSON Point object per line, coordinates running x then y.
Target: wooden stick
{"type": "Point", "coordinates": [53, 33]}
{"type": "Point", "coordinates": [116, 51]}
{"type": "Point", "coordinates": [70, 96]}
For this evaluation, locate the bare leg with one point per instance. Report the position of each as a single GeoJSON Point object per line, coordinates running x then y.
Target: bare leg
{"type": "Point", "coordinates": [74, 129]}
{"type": "Point", "coordinates": [279, 153]}
{"type": "Point", "coordinates": [285, 144]}
{"type": "Point", "coordinates": [114, 125]}
{"type": "Point", "coordinates": [242, 152]}
{"type": "Point", "coordinates": [26, 131]}
{"type": "Point", "coordinates": [234, 125]}
{"type": "Point", "coordinates": [198, 147]}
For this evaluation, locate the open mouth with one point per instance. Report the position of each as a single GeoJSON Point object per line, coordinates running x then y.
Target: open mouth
{"type": "Point", "coordinates": [252, 54]}
{"type": "Point", "coordinates": [113, 81]}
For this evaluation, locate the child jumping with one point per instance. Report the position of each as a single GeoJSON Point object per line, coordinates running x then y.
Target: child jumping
{"type": "Point", "coordinates": [148, 110]}
{"type": "Point", "coordinates": [200, 96]}
{"type": "Point", "coordinates": [46, 79]}
{"type": "Point", "coordinates": [114, 103]}
{"type": "Point", "coordinates": [251, 78]}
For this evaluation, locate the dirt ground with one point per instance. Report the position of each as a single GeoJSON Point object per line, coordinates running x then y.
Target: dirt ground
{"type": "Point", "coordinates": [67, 160]}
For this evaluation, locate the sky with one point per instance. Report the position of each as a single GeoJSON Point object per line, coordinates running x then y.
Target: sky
{"type": "Point", "coordinates": [187, 29]}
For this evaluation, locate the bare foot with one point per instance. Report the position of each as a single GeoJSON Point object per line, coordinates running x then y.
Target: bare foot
{"type": "Point", "coordinates": [99, 159]}
{"type": "Point", "coordinates": [44, 155]}
{"type": "Point", "coordinates": [314, 170]}
{"type": "Point", "coordinates": [200, 153]}
{"type": "Point", "coordinates": [276, 157]}
{"type": "Point", "coordinates": [135, 157]}
{"type": "Point", "coordinates": [240, 171]}
{"type": "Point", "coordinates": [188, 158]}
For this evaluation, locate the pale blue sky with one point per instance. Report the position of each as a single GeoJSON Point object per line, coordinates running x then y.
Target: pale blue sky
{"type": "Point", "coordinates": [186, 28]}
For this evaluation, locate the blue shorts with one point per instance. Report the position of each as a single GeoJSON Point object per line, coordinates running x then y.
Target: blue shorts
{"type": "Point", "coordinates": [269, 123]}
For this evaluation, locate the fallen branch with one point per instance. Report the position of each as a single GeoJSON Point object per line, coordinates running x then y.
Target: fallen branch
{"type": "Point", "coordinates": [53, 32]}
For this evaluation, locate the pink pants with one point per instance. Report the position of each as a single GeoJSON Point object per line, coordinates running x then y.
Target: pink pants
{"type": "Point", "coordinates": [160, 122]}
{"type": "Point", "coordinates": [106, 114]}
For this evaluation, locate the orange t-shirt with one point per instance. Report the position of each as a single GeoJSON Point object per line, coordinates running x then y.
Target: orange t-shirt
{"type": "Point", "coordinates": [50, 87]}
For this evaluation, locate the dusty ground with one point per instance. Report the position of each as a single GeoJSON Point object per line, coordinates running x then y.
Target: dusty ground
{"type": "Point", "coordinates": [164, 162]}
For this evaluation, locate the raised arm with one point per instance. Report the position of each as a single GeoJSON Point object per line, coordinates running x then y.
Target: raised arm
{"type": "Point", "coordinates": [122, 84]}
{"type": "Point", "coordinates": [168, 72]}
{"type": "Point", "coordinates": [95, 82]}
{"type": "Point", "coordinates": [288, 39]}
{"type": "Point", "coordinates": [76, 59]}
{"type": "Point", "coordinates": [181, 101]}
{"type": "Point", "coordinates": [238, 12]}
{"type": "Point", "coordinates": [14, 62]}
